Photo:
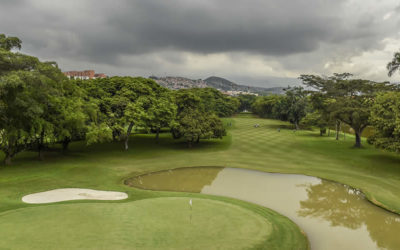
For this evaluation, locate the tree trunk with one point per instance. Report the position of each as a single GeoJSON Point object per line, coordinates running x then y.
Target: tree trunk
{"type": "Point", "coordinates": [40, 151]}
{"type": "Point", "coordinates": [157, 134]}
{"type": "Point", "coordinates": [174, 134]}
{"type": "Point", "coordinates": [65, 144]}
{"type": "Point", "coordinates": [114, 135]}
{"type": "Point", "coordinates": [358, 133]}
{"type": "Point", "coordinates": [358, 140]}
{"type": "Point", "coordinates": [198, 139]}
{"type": "Point", "coordinates": [7, 159]}
{"type": "Point", "coordinates": [297, 125]}
{"type": "Point", "coordinates": [128, 133]}
{"type": "Point", "coordinates": [337, 129]}
{"type": "Point", "coordinates": [189, 144]}
{"type": "Point", "coordinates": [320, 132]}
{"type": "Point", "coordinates": [41, 146]}
{"type": "Point", "coordinates": [329, 132]}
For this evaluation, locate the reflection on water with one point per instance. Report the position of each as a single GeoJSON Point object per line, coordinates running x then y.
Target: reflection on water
{"type": "Point", "coordinates": [344, 206]}
{"type": "Point", "coordinates": [334, 216]}
{"type": "Point", "coordinates": [181, 179]}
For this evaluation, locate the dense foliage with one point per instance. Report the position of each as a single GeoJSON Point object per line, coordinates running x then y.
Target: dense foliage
{"type": "Point", "coordinates": [385, 114]}
{"type": "Point", "coordinates": [194, 122]}
{"type": "Point", "coordinates": [385, 117]}
{"type": "Point", "coordinates": [39, 106]}
{"type": "Point", "coordinates": [245, 102]}
{"type": "Point", "coordinates": [328, 101]}
{"type": "Point", "coordinates": [289, 107]}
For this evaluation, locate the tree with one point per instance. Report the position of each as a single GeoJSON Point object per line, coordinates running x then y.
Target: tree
{"type": "Point", "coordinates": [29, 90]}
{"type": "Point", "coordinates": [73, 114]}
{"type": "Point", "coordinates": [162, 113]}
{"type": "Point", "coordinates": [297, 102]}
{"type": "Point", "coordinates": [350, 100]}
{"type": "Point", "coordinates": [193, 121]}
{"type": "Point", "coordinates": [394, 65]}
{"type": "Point", "coordinates": [217, 102]}
{"type": "Point", "coordinates": [315, 119]}
{"type": "Point", "coordinates": [319, 114]}
{"type": "Point", "coordinates": [272, 106]}
{"type": "Point", "coordinates": [354, 111]}
{"type": "Point", "coordinates": [9, 43]}
{"type": "Point", "coordinates": [385, 117]}
{"type": "Point", "coordinates": [246, 102]}
{"type": "Point", "coordinates": [123, 103]}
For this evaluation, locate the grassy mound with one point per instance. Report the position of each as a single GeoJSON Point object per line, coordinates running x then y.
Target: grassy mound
{"type": "Point", "coordinates": [164, 223]}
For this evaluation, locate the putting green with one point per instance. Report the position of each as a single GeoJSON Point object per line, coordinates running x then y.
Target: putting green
{"type": "Point", "coordinates": [144, 224]}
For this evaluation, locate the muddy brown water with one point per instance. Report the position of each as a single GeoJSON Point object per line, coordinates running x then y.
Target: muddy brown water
{"type": "Point", "coordinates": [334, 216]}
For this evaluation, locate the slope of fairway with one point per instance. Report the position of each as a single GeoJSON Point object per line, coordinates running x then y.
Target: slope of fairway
{"type": "Point", "coordinates": [163, 223]}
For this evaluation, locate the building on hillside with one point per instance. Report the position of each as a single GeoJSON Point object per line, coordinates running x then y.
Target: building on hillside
{"type": "Point", "coordinates": [237, 92]}
{"type": "Point", "coordinates": [84, 75]}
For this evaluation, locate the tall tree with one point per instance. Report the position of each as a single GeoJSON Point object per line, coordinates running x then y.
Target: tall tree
{"type": "Point", "coordinates": [272, 106]}
{"type": "Point", "coordinates": [194, 122]}
{"type": "Point", "coordinates": [351, 99]}
{"type": "Point", "coordinates": [28, 91]}
{"type": "Point", "coordinates": [122, 102]}
{"type": "Point", "coordinates": [159, 113]}
{"type": "Point", "coordinates": [394, 65]}
{"type": "Point", "coordinates": [385, 117]}
{"type": "Point", "coordinates": [246, 101]}
{"type": "Point", "coordinates": [296, 99]}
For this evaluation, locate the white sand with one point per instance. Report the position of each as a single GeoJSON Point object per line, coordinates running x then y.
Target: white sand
{"type": "Point", "coordinates": [67, 194]}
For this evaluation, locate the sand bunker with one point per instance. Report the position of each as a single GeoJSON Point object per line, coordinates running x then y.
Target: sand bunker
{"type": "Point", "coordinates": [67, 194]}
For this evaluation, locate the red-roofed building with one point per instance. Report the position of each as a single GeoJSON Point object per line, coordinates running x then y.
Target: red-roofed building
{"type": "Point", "coordinates": [84, 75]}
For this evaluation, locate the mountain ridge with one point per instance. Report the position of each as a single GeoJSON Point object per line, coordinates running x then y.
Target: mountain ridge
{"type": "Point", "coordinates": [222, 84]}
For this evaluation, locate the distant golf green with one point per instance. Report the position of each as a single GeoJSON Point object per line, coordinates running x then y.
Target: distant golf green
{"type": "Point", "coordinates": [107, 166]}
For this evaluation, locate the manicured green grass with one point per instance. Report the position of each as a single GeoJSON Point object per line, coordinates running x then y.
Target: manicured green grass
{"type": "Point", "coordinates": [145, 224]}
{"type": "Point", "coordinates": [106, 166]}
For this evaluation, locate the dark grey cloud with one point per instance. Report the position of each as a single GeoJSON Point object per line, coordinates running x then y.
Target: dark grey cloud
{"type": "Point", "coordinates": [135, 27]}
{"type": "Point", "coordinates": [91, 32]}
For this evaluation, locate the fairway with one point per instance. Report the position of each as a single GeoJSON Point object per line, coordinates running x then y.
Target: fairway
{"type": "Point", "coordinates": [145, 224]}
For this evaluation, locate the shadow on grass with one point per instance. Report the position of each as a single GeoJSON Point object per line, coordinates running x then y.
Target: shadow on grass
{"type": "Point", "coordinates": [385, 160]}
{"type": "Point", "coordinates": [143, 146]}
{"type": "Point", "coordinates": [279, 126]}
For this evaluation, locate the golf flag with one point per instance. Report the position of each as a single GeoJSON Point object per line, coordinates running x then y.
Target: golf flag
{"type": "Point", "coordinates": [190, 203]}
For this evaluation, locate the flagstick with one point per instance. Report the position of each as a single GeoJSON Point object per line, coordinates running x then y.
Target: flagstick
{"type": "Point", "coordinates": [191, 209]}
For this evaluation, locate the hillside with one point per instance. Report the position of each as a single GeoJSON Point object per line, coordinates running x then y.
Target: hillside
{"type": "Point", "coordinates": [220, 83]}
{"type": "Point", "coordinates": [226, 85]}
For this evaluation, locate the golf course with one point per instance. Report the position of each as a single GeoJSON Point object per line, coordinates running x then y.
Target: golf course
{"type": "Point", "coordinates": [163, 219]}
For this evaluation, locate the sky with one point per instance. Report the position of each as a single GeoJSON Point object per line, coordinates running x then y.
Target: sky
{"type": "Point", "coordinates": [253, 42]}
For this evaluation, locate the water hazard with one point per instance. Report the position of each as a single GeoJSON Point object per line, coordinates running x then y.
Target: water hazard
{"type": "Point", "coordinates": [333, 215]}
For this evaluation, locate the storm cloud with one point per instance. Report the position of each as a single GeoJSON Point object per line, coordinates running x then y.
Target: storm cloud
{"type": "Point", "coordinates": [257, 40]}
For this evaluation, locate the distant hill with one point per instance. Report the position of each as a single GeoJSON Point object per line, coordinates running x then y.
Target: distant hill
{"type": "Point", "coordinates": [226, 85]}
{"type": "Point", "coordinates": [220, 83]}
{"type": "Point", "coordinates": [177, 82]}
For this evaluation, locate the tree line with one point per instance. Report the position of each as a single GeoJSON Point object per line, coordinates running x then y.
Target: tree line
{"type": "Point", "coordinates": [39, 107]}
{"type": "Point", "coordinates": [329, 102]}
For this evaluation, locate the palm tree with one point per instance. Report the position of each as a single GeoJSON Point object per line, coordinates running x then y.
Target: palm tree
{"type": "Point", "coordinates": [394, 65]}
